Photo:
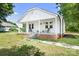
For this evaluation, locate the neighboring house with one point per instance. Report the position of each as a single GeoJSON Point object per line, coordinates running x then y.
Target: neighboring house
{"type": "Point", "coordinates": [43, 24]}
{"type": "Point", "coordinates": [5, 26]}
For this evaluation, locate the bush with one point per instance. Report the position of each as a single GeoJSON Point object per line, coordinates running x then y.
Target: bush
{"type": "Point", "coordinates": [72, 28]}
{"type": "Point", "coordinates": [23, 29]}
{"type": "Point", "coordinates": [21, 51]}
{"type": "Point", "coordinates": [13, 28]}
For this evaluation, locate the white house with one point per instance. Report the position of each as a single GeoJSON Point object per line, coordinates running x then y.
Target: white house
{"type": "Point", "coordinates": [43, 24]}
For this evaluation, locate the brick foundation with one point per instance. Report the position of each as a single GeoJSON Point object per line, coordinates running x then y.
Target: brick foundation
{"type": "Point", "coordinates": [44, 36]}
{"type": "Point", "coordinates": [47, 36]}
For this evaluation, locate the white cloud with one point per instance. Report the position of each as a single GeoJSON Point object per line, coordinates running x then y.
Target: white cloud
{"type": "Point", "coordinates": [15, 13]}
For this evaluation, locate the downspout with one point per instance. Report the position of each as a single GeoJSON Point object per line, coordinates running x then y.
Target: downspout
{"type": "Point", "coordinates": [61, 26]}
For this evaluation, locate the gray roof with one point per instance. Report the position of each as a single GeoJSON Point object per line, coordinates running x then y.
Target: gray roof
{"type": "Point", "coordinates": [6, 24]}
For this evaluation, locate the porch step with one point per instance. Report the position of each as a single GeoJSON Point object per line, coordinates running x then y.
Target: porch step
{"type": "Point", "coordinates": [32, 35]}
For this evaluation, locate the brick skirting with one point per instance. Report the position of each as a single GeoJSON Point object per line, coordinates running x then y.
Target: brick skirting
{"type": "Point", "coordinates": [44, 36]}
{"type": "Point", "coordinates": [47, 36]}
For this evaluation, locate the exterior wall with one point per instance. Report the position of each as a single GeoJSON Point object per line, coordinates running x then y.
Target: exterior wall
{"type": "Point", "coordinates": [7, 28]}
{"type": "Point", "coordinates": [62, 24]}
{"type": "Point", "coordinates": [54, 30]}
{"type": "Point", "coordinates": [57, 26]}
{"type": "Point", "coordinates": [4, 28]}
{"type": "Point", "coordinates": [42, 26]}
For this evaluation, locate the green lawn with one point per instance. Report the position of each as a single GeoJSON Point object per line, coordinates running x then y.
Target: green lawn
{"type": "Point", "coordinates": [11, 39]}
{"type": "Point", "coordinates": [71, 41]}
{"type": "Point", "coordinates": [51, 50]}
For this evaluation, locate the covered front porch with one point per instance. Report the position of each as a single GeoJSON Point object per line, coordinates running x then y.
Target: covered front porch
{"type": "Point", "coordinates": [41, 28]}
{"type": "Point", "coordinates": [47, 26]}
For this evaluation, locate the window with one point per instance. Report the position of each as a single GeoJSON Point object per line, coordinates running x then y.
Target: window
{"type": "Point", "coordinates": [32, 26]}
{"type": "Point", "coordinates": [46, 22]}
{"type": "Point", "coordinates": [50, 22]}
{"type": "Point", "coordinates": [46, 26]}
{"type": "Point", "coordinates": [40, 23]}
{"type": "Point", "coordinates": [51, 26]}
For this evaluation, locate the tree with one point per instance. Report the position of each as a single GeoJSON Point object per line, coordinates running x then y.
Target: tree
{"type": "Point", "coordinates": [70, 12]}
{"type": "Point", "coordinates": [12, 23]}
{"type": "Point", "coordinates": [6, 9]}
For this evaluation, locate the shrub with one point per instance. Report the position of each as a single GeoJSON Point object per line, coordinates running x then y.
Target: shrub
{"type": "Point", "coordinates": [13, 28]}
{"type": "Point", "coordinates": [24, 50]}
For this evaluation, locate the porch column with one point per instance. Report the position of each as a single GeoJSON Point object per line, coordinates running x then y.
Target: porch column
{"type": "Point", "coordinates": [39, 26]}
{"type": "Point", "coordinates": [27, 27]}
{"type": "Point", "coordinates": [61, 21]}
{"type": "Point", "coordinates": [56, 27]}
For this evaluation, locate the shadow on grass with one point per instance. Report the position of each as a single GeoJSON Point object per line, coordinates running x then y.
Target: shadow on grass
{"type": "Point", "coordinates": [3, 32]}
{"type": "Point", "coordinates": [6, 31]}
{"type": "Point", "coordinates": [71, 36]}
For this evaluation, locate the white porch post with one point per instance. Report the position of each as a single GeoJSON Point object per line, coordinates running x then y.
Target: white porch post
{"type": "Point", "coordinates": [63, 21]}
{"type": "Point", "coordinates": [27, 27]}
{"type": "Point", "coordinates": [56, 27]}
{"type": "Point", "coordinates": [39, 26]}
{"type": "Point", "coordinates": [61, 25]}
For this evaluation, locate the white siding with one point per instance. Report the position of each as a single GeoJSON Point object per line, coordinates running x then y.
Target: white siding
{"type": "Point", "coordinates": [4, 28]}
{"type": "Point", "coordinates": [7, 28]}
{"type": "Point", "coordinates": [43, 25]}
{"type": "Point", "coordinates": [33, 16]}
{"type": "Point", "coordinates": [55, 24]}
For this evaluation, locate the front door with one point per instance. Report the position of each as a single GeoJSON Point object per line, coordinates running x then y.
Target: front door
{"type": "Point", "coordinates": [31, 26]}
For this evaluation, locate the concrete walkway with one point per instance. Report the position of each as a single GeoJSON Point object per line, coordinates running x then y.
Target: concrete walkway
{"type": "Point", "coordinates": [58, 44]}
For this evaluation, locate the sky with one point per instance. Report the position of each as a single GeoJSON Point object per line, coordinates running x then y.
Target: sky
{"type": "Point", "coordinates": [21, 8]}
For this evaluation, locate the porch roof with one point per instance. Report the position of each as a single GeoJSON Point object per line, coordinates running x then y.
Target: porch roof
{"type": "Point", "coordinates": [37, 14]}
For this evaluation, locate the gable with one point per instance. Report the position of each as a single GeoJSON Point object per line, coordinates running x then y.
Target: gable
{"type": "Point", "coordinates": [37, 14]}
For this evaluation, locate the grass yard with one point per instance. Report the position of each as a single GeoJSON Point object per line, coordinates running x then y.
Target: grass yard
{"type": "Point", "coordinates": [11, 39]}
{"type": "Point", "coordinates": [51, 50]}
{"type": "Point", "coordinates": [71, 41]}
